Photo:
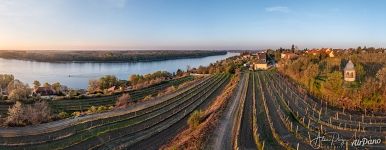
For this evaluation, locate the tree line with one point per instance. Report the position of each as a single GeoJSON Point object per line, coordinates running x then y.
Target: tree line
{"type": "Point", "coordinates": [106, 56]}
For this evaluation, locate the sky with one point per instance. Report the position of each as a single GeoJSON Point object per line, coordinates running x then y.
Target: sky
{"type": "Point", "coordinates": [190, 24]}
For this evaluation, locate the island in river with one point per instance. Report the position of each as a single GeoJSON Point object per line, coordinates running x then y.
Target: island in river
{"type": "Point", "coordinates": [105, 56]}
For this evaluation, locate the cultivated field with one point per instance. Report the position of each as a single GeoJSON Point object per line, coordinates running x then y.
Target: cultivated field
{"type": "Point", "coordinates": [276, 115]}
{"type": "Point", "coordinates": [120, 128]}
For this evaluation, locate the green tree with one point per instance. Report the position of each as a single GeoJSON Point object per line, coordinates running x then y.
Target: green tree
{"type": "Point", "coordinates": [359, 49]}
{"type": "Point", "coordinates": [108, 81]}
{"type": "Point", "coordinates": [179, 72]}
{"type": "Point", "coordinates": [231, 68]}
{"type": "Point", "coordinates": [56, 86]}
{"type": "Point", "coordinates": [135, 78]}
{"type": "Point", "coordinates": [293, 48]}
{"type": "Point", "coordinates": [310, 75]}
{"type": "Point", "coordinates": [333, 84]}
{"type": "Point", "coordinates": [46, 85]}
{"type": "Point", "coordinates": [36, 84]}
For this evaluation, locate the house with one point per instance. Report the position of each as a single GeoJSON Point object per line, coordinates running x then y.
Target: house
{"type": "Point", "coordinates": [44, 91]}
{"type": "Point", "coordinates": [283, 55]}
{"type": "Point", "coordinates": [262, 56]}
{"type": "Point", "coordinates": [328, 51]}
{"type": "Point", "coordinates": [349, 72]}
{"type": "Point", "coordinates": [259, 65]}
{"type": "Point", "coordinates": [288, 55]}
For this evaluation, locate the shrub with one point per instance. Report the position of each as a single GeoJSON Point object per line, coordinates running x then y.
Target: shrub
{"type": "Point", "coordinates": [39, 112]}
{"type": "Point", "coordinates": [15, 115]}
{"type": "Point", "coordinates": [63, 115]}
{"type": "Point", "coordinates": [92, 109]}
{"type": "Point", "coordinates": [195, 119]}
{"type": "Point", "coordinates": [20, 93]}
{"type": "Point", "coordinates": [20, 115]}
{"type": "Point", "coordinates": [76, 114]}
{"type": "Point", "coordinates": [147, 98]}
{"type": "Point", "coordinates": [102, 109]}
{"type": "Point", "coordinates": [170, 90]}
{"type": "Point", "coordinates": [122, 101]}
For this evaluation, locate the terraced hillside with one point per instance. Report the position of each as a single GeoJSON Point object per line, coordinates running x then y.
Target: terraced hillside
{"type": "Point", "coordinates": [115, 129]}
{"type": "Point", "coordinates": [276, 115]}
{"type": "Point", "coordinates": [72, 105]}
{"type": "Point", "coordinates": [84, 104]}
{"type": "Point", "coordinates": [267, 111]}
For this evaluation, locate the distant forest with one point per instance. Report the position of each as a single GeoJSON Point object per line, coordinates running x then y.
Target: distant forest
{"type": "Point", "coordinates": [106, 56]}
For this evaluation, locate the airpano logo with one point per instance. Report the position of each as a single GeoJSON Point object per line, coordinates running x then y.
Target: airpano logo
{"type": "Point", "coordinates": [365, 141]}
{"type": "Point", "coordinates": [337, 141]}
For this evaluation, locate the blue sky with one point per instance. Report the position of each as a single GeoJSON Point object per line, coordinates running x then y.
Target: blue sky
{"type": "Point", "coordinates": [191, 24]}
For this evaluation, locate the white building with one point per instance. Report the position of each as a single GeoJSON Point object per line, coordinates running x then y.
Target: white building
{"type": "Point", "coordinates": [349, 72]}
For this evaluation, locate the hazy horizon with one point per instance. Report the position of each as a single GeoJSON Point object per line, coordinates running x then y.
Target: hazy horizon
{"type": "Point", "coordinates": [190, 24]}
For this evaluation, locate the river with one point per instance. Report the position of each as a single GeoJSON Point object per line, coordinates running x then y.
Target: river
{"type": "Point", "coordinates": [76, 75]}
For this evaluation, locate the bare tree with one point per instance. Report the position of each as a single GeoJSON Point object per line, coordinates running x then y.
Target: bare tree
{"type": "Point", "coordinates": [18, 91]}
{"type": "Point", "coordinates": [15, 115]}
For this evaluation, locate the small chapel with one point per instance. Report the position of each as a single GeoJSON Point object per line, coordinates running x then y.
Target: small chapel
{"type": "Point", "coordinates": [349, 72]}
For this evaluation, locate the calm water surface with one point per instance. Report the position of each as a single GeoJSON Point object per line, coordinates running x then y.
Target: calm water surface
{"type": "Point", "coordinates": [77, 75]}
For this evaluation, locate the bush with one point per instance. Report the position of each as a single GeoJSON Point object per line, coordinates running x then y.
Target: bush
{"type": "Point", "coordinates": [63, 115]}
{"type": "Point", "coordinates": [195, 119]}
{"type": "Point", "coordinates": [76, 114]}
{"type": "Point", "coordinates": [98, 95]}
{"type": "Point", "coordinates": [92, 109]}
{"type": "Point", "coordinates": [39, 112]}
{"type": "Point", "coordinates": [16, 115]}
{"type": "Point", "coordinates": [20, 93]}
{"type": "Point", "coordinates": [102, 109]}
{"type": "Point", "coordinates": [122, 101]}
{"type": "Point", "coordinates": [147, 98]}
{"type": "Point", "coordinates": [20, 115]}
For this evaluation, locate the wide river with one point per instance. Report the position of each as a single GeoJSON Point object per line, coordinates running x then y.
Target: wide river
{"type": "Point", "coordinates": [76, 75]}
